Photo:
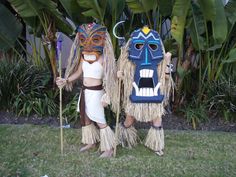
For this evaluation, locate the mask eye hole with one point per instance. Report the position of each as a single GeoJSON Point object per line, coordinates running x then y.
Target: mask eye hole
{"type": "Point", "coordinates": [82, 38]}
{"type": "Point", "coordinates": [139, 46]}
{"type": "Point", "coordinates": [153, 46]}
{"type": "Point", "coordinates": [97, 39]}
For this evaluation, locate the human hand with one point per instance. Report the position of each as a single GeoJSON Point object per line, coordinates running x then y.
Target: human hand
{"type": "Point", "coordinates": [167, 57]}
{"type": "Point", "coordinates": [61, 82]}
{"type": "Point", "coordinates": [104, 104]}
{"type": "Point", "coordinates": [169, 66]}
{"type": "Point", "coordinates": [105, 100]}
{"type": "Point", "coordinates": [120, 74]}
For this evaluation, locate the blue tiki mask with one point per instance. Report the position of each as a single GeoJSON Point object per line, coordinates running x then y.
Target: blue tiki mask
{"type": "Point", "coordinates": [145, 51]}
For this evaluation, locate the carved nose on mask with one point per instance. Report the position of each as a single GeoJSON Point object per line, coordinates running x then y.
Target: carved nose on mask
{"type": "Point", "coordinates": [146, 59]}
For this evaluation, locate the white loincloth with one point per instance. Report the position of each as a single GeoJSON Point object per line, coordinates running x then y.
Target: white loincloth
{"type": "Point", "coordinates": [93, 105]}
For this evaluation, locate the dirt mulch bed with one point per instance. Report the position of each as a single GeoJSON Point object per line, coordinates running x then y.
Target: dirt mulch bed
{"type": "Point", "coordinates": [170, 121]}
{"type": "Point", "coordinates": [10, 118]}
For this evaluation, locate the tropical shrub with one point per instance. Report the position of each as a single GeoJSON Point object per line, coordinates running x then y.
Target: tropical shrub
{"type": "Point", "coordinates": [199, 33]}
{"type": "Point", "coordinates": [206, 38]}
{"type": "Point", "coordinates": [41, 105]}
{"type": "Point", "coordinates": [195, 113]}
{"type": "Point", "coordinates": [6, 83]}
{"type": "Point", "coordinates": [222, 94]}
{"type": "Point", "coordinates": [43, 19]}
{"type": "Point", "coordinates": [25, 88]}
{"type": "Point", "coordinates": [69, 111]}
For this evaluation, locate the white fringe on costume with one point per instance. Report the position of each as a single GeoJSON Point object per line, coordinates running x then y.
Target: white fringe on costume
{"type": "Point", "coordinates": [93, 105]}
{"type": "Point", "coordinates": [127, 136]}
{"type": "Point", "coordinates": [90, 134]}
{"type": "Point", "coordinates": [107, 139]}
{"type": "Point", "coordinates": [155, 139]}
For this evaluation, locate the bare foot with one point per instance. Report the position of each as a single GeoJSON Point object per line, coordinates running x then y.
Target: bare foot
{"type": "Point", "coordinates": [107, 154]}
{"type": "Point", "coordinates": [159, 153]}
{"type": "Point", "coordinates": [87, 147]}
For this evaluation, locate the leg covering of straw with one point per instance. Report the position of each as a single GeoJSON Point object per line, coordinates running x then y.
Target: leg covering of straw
{"type": "Point", "coordinates": [107, 139]}
{"type": "Point", "coordinates": [127, 136]}
{"type": "Point", "coordinates": [90, 134]}
{"type": "Point", "coordinates": [155, 139]}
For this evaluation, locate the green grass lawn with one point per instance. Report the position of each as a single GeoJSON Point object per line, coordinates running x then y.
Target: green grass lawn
{"type": "Point", "coordinates": [28, 150]}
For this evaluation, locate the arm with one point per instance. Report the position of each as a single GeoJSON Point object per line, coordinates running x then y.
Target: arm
{"type": "Point", "coordinates": [168, 70]}
{"type": "Point", "coordinates": [61, 82]}
{"type": "Point", "coordinates": [76, 74]}
{"type": "Point", "coordinates": [169, 83]}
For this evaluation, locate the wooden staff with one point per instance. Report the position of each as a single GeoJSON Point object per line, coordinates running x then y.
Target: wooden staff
{"type": "Point", "coordinates": [117, 117]}
{"type": "Point", "coordinates": [121, 42]}
{"type": "Point", "coordinates": [59, 43]}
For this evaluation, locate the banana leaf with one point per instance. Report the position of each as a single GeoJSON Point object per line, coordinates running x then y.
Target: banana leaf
{"type": "Point", "coordinates": [219, 24]}
{"type": "Point", "coordinates": [141, 6]}
{"type": "Point", "coordinates": [232, 57]}
{"type": "Point", "coordinates": [95, 8]}
{"type": "Point", "coordinates": [230, 11]}
{"type": "Point", "coordinates": [213, 11]}
{"type": "Point", "coordinates": [165, 7]}
{"type": "Point", "coordinates": [208, 8]}
{"type": "Point", "coordinates": [29, 10]}
{"type": "Point", "coordinates": [10, 28]}
{"type": "Point", "coordinates": [197, 27]}
{"type": "Point", "coordinates": [179, 13]}
{"type": "Point", "coordinates": [74, 11]}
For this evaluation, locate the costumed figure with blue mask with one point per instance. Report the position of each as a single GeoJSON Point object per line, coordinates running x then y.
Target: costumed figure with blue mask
{"type": "Point", "coordinates": [146, 83]}
{"type": "Point", "coordinates": [92, 57]}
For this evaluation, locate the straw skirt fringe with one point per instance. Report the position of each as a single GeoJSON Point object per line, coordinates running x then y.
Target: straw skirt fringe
{"type": "Point", "coordinates": [107, 139]}
{"type": "Point", "coordinates": [127, 136]}
{"type": "Point", "coordinates": [90, 134]}
{"type": "Point", "coordinates": [155, 139]}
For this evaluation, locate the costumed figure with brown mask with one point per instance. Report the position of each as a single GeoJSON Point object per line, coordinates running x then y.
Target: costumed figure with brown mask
{"type": "Point", "coordinates": [92, 57]}
{"type": "Point", "coordinates": [146, 83]}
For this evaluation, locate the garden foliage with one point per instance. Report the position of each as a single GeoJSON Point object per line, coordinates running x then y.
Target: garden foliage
{"type": "Point", "coordinates": [26, 88]}
{"type": "Point", "coordinates": [199, 33]}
